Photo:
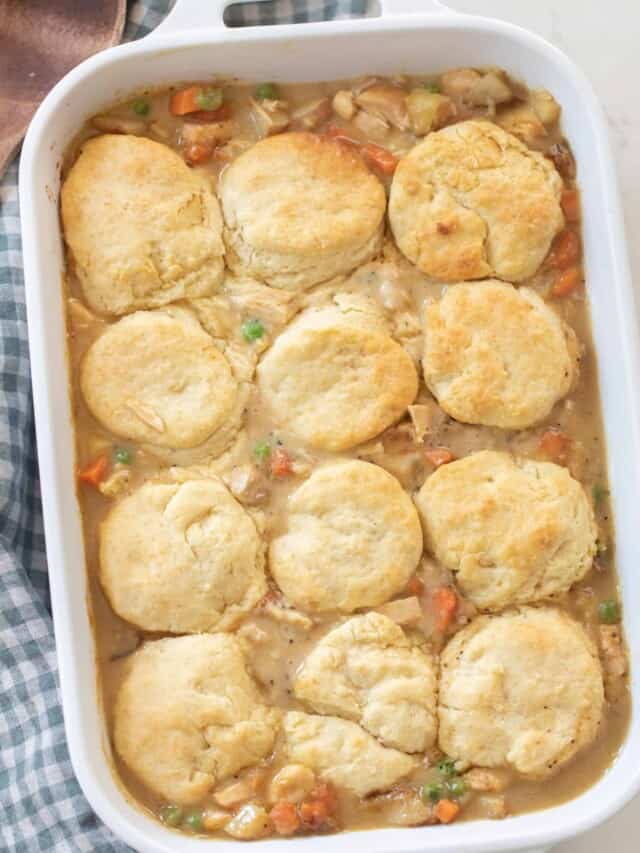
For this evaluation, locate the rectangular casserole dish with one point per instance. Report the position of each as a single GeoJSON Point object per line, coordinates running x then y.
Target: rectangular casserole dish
{"type": "Point", "coordinates": [410, 36]}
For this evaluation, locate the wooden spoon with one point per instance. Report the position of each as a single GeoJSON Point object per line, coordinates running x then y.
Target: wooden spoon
{"type": "Point", "coordinates": [40, 41]}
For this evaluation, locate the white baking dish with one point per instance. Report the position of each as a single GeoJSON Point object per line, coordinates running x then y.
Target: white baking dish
{"type": "Point", "coordinates": [410, 36]}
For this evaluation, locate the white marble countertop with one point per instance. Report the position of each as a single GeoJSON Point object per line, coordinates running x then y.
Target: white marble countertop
{"type": "Point", "coordinates": [602, 38]}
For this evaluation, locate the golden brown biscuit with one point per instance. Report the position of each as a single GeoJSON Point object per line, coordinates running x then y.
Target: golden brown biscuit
{"type": "Point", "coordinates": [157, 377]}
{"type": "Point", "coordinates": [181, 557]}
{"type": "Point", "coordinates": [188, 715]}
{"type": "Point", "coordinates": [472, 201]}
{"type": "Point", "coordinates": [367, 670]}
{"type": "Point", "coordinates": [522, 690]}
{"type": "Point", "coordinates": [511, 530]}
{"type": "Point", "coordinates": [497, 355]}
{"type": "Point", "coordinates": [334, 379]}
{"type": "Point", "coordinates": [143, 228]}
{"type": "Point", "coordinates": [343, 753]}
{"type": "Point", "coordinates": [300, 209]}
{"type": "Point", "coordinates": [352, 539]}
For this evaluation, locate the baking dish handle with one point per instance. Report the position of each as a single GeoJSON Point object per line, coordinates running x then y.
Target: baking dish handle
{"type": "Point", "coordinates": [201, 14]}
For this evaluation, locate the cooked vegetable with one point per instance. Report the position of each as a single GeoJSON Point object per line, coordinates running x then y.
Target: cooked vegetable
{"type": "Point", "coordinates": [316, 811]}
{"type": "Point", "coordinates": [194, 99]}
{"type": "Point", "coordinates": [343, 104]}
{"type": "Point", "coordinates": [446, 604]}
{"type": "Point", "coordinates": [280, 463]}
{"type": "Point", "coordinates": [456, 787]}
{"type": "Point", "coordinates": [379, 158]}
{"type": "Point", "coordinates": [567, 282]}
{"type": "Point", "coordinates": [599, 493]}
{"type": "Point", "coordinates": [123, 455]}
{"type": "Point", "coordinates": [439, 456]}
{"type": "Point", "coordinates": [545, 105]}
{"type": "Point", "coordinates": [252, 330]}
{"type": "Point", "coordinates": [447, 767]}
{"type": "Point", "coordinates": [570, 202]}
{"type": "Point", "coordinates": [197, 153]}
{"type": "Point", "coordinates": [213, 819]}
{"type": "Point", "coordinates": [171, 815]}
{"type": "Point", "coordinates": [427, 110]}
{"type": "Point", "coordinates": [284, 817]}
{"type": "Point", "coordinates": [609, 612]}
{"type": "Point", "coordinates": [94, 472]}
{"type": "Point", "coordinates": [252, 821]}
{"type": "Point", "coordinates": [555, 444]}
{"type": "Point", "coordinates": [292, 783]}
{"type": "Point", "coordinates": [432, 792]}
{"type": "Point", "coordinates": [141, 108]}
{"type": "Point", "coordinates": [415, 585]}
{"type": "Point", "coordinates": [209, 134]}
{"type": "Point", "coordinates": [267, 92]}
{"type": "Point", "coordinates": [431, 87]}
{"type": "Point", "coordinates": [270, 117]}
{"type": "Point", "coordinates": [447, 811]}
{"type": "Point", "coordinates": [194, 821]}
{"type": "Point", "coordinates": [262, 451]}
{"type": "Point", "coordinates": [565, 250]}
{"type": "Point", "coordinates": [476, 89]}
{"type": "Point", "coordinates": [523, 122]}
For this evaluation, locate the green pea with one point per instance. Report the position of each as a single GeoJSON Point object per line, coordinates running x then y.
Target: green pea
{"type": "Point", "coordinates": [599, 493]}
{"type": "Point", "coordinates": [456, 787]}
{"type": "Point", "coordinates": [266, 92]}
{"type": "Point", "coordinates": [252, 330]}
{"type": "Point", "coordinates": [209, 99]}
{"type": "Point", "coordinates": [141, 108]}
{"type": "Point", "coordinates": [609, 612]}
{"type": "Point", "coordinates": [447, 767]}
{"type": "Point", "coordinates": [262, 451]}
{"type": "Point", "coordinates": [431, 87]}
{"type": "Point", "coordinates": [122, 455]}
{"type": "Point", "coordinates": [171, 815]}
{"type": "Point", "coordinates": [194, 821]}
{"type": "Point", "coordinates": [432, 792]}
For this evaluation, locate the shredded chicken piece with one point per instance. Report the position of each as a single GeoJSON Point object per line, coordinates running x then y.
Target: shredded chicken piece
{"type": "Point", "coordinates": [422, 419]}
{"type": "Point", "coordinates": [494, 806]}
{"type": "Point", "coordinates": [478, 779]}
{"type": "Point", "coordinates": [614, 658]}
{"type": "Point", "coordinates": [234, 793]}
{"type": "Point", "coordinates": [292, 783]}
{"type": "Point", "coordinates": [210, 134]}
{"type": "Point", "coordinates": [387, 103]}
{"type": "Point", "coordinates": [545, 105]}
{"type": "Point", "coordinates": [213, 819]}
{"type": "Point", "coordinates": [270, 117]}
{"type": "Point", "coordinates": [403, 808]}
{"type": "Point", "coordinates": [404, 611]}
{"type": "Point", "coordinates": [343, 104]}
{"type": "Point", "coordinates": [311, 115]}
{"type": "Point", "coordinates": [117, 481]}
{"type": "Point", "coordinates": [472, 87]}
{"type": "Point", "coordinates": [273, 307]}
{"type": "Point", "coordinates": [522, 121]}
{"type": "Point", "coordinates": [248, 484]}
{"type": "Point", "coordinates": [372, 126]}
{"type": "Point", "coordinates": [119, 124]}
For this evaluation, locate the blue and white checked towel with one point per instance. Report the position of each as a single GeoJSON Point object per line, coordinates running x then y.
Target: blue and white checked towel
{"type": "Point", "coordinates": [41, 805]}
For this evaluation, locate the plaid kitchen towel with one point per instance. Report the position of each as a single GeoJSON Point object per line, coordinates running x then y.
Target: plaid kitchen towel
{"type": "Point", "coordinates": [41, 805]}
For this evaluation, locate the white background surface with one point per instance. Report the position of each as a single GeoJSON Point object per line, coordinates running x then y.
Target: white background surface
{"type": "Point", "coordinates": [603, 37]}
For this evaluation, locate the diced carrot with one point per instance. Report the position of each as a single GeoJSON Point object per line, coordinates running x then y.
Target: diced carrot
{"type": "Point", "coordinates": [94, 472]}
{"type": "Point", "coordinates": [555, 444]}
{"type": "Point", "coordinates": [313, 813]}
{"type": "Point", "coordinates": [565, 250]}
{"type": "Point", "coordinates": [447, 810]}
{"type": "Point", "coordinates": [439, 456]}
{"type": "Point", "coordinates": [197, 153]}
{"type": "Point", "coordinates": [280, 463]}
{"type": "Point", "coordinates": [185, 101]}
{"type": "Point", "coordinates": [284, 817]}
{"type": "Point", "coordinates": [325, 792]}
{"type": "Point", "coordinates": [446, 604]}
{"type": "Point", "coordinates": [570, 202]}
{"type": "Point", "coordinates": [566, 282]}
{"type": "Point", "coordinates": [379, 158]}
{"type": "Point", "coordinates": [415, 585]}
{"type": "Point", "coordinates": [341, 135]}
{"type": "Point", "coordinates": [221, 114]}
